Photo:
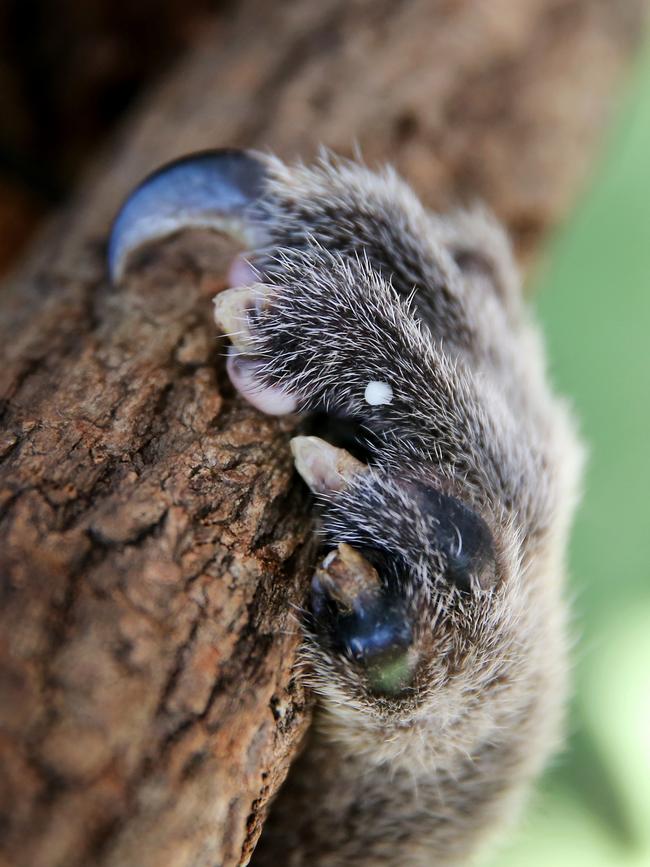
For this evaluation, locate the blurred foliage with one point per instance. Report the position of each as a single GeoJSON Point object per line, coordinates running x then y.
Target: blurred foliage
{"type": "Point", "coordinates": [594, 301]}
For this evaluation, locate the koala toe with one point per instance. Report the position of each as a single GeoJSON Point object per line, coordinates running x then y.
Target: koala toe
{"type": "Point", "coordinates": [244, 373]}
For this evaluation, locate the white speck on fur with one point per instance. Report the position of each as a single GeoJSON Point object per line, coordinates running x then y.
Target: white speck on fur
{"type": "Point", "coordinates": [378, 393]}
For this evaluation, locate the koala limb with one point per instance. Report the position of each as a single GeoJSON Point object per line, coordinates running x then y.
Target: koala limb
{"type": "Point", "coordinates": [436, 635]}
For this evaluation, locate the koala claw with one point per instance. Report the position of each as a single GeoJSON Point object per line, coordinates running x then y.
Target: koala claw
{"type": "Point", "coordinates": [232, 310]}
{"type": "Point", "coordinates": [241, 272]}
{"type": "Point", "coordinates": [323, 467]}
{"type": "Point", "coordinates": [212, 189]}
{"type": "Point", "coordinates": [244, 373]}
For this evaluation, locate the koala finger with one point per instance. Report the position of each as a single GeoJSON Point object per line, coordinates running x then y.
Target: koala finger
{"type": "Point", "coordinates": [245, 374]}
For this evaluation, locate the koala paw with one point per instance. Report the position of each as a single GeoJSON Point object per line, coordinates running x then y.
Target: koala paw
{"type": "Point", "coordinates": [444, 472]}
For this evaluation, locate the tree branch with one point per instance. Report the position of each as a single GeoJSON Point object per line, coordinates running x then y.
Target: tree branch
{"type": "Point", "coordinates": [154, 539]}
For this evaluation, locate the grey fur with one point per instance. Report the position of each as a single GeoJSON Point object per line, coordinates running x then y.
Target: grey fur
{"type": "Point", "coordinates": [359, 284]}
{"type": "Point", "coordinates": [363, 284]}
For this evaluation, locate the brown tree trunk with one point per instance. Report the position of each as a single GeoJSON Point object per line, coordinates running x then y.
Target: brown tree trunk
{"type": "Point", "coordinates": [153, 534]}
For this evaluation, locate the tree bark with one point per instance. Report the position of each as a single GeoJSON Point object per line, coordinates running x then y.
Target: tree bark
{"type": "Point", "coordinates": [155, 541]}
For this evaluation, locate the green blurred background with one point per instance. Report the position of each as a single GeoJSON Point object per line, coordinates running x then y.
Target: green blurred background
{"type": "Point", "coordinates": [593, 296]}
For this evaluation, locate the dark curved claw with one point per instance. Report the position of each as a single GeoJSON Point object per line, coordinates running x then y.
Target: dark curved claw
{"type": "Point", "coordinates": [363, 620]}
{"type": "Point", "coordinates": [211, 189]}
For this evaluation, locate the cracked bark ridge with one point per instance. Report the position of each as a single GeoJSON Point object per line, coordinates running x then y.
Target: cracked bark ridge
{"type": "Point", "coordinates": [153, 532]}
{"type": "Point", "coordinates": [151, 556]}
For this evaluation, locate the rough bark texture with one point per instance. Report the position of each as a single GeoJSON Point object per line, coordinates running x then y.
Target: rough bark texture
{"type": "Point", "coordinates": [153, 534]}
